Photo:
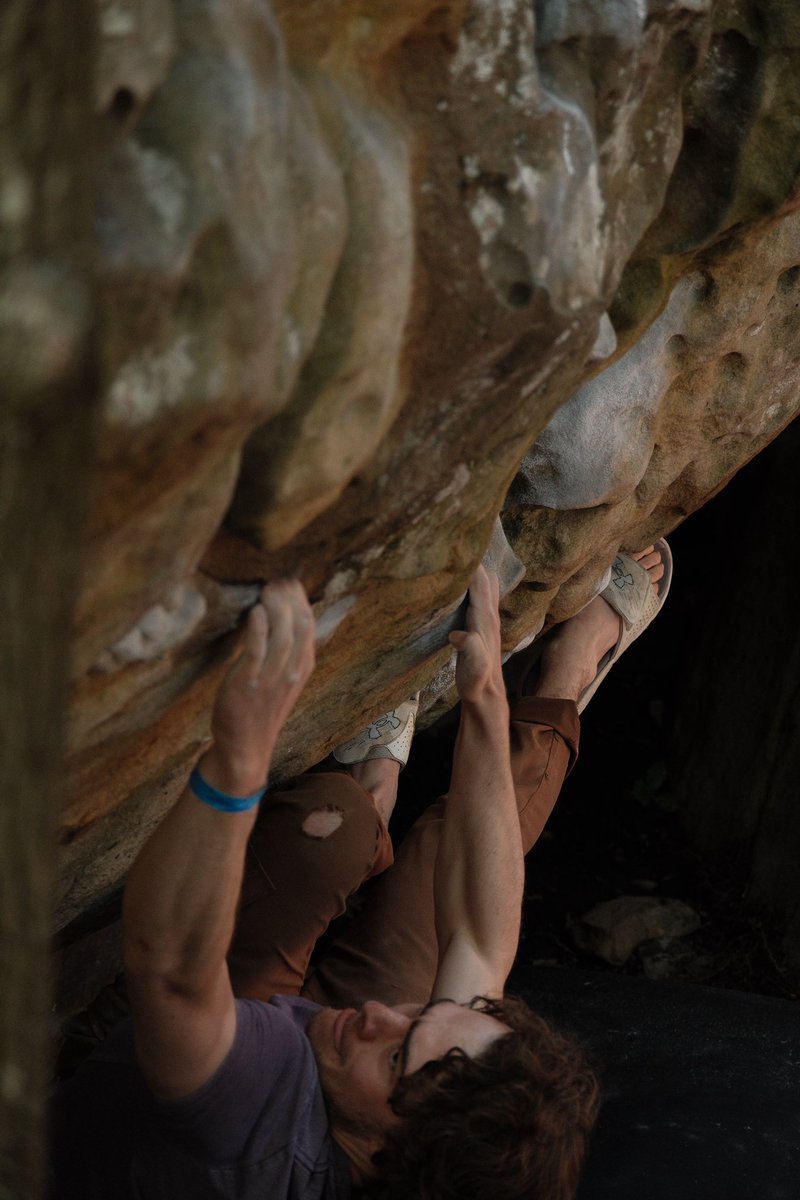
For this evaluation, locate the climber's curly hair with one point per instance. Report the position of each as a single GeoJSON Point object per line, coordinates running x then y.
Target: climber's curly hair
{"type": "Point", "coordinates": [510, 1124]}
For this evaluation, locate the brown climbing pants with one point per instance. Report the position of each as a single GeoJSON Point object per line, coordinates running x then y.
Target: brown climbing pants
{"type": "Point", "coordinates": [296, 882]}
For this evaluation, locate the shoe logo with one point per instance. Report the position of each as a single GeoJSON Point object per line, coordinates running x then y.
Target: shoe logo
{"type": "Point", "coordinates": [383, 724]}
{"type": "Point", "coordinates": [621, 579]}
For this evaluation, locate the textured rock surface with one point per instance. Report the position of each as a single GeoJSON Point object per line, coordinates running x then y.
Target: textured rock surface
{"type": "Point", "coordinates": [632, 452]}
{"type": "Point", "coordinates": [351, 260]}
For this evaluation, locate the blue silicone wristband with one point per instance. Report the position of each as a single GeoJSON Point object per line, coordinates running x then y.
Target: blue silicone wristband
{"type": "Point", "coordinates": [220, 800]}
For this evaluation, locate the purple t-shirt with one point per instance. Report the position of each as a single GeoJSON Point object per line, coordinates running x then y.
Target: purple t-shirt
{"type": "Point", "coordinates": [256, 1130]}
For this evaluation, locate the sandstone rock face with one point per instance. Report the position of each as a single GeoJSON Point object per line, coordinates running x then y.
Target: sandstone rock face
{"type": "Point", "coordinates": [369, 275]}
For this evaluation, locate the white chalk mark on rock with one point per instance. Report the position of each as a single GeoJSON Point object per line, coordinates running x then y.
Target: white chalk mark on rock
{"type": "Point", "coordinates": [160, 629]}
{"type": "Point", "coordinates": [150, 384]}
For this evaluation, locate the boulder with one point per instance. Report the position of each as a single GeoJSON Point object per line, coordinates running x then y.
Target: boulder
{"type": "Point", "coordinates": [369, 277]}
{"type": "Point", "coordinates": [613, 929]}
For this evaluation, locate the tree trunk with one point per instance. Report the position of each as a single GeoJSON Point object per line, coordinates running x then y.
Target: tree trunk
{"type": "Point", "coordinates": [46, 417]}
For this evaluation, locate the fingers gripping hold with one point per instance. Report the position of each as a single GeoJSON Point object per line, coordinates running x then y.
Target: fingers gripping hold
{"type": "Point", "coordinates": [255, 644]}
{"type": "Point", "coordinates": [478, 669]}
{"type": "Point", "coordinates": [263, 685]}
{"type": "Point", "coordinates": [276, 633]}
{"type": "Point", "coordinates": [277, 601]}
{"type": "Point", "coordinates": [304, 652]}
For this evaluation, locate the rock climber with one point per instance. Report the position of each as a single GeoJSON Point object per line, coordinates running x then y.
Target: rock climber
{"type": "Point", "coordinates": [395, 1065]}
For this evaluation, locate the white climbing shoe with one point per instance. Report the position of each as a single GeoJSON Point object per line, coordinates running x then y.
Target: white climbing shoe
{"type": "Point", "coordinates": [389, 736]}
{"type": "Point", "coordinates": [630, 593]}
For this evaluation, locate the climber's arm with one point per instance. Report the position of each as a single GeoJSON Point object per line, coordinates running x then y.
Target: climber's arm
{"type": "Point", "coordinates": [182, 892]}
{"type": "Point", "coordinates": [479, 875]}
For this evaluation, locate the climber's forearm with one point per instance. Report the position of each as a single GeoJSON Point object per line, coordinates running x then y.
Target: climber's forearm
{"type": "Point", "coordinates": [182, 891]}
{"type": "Point", "coordinates": [479, 869]}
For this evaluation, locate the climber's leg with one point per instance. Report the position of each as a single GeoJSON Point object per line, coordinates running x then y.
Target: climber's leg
{"type": "Point", "coordinates": [316, 840]}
